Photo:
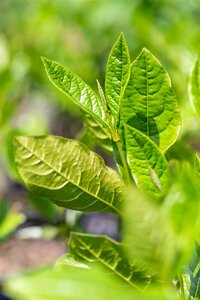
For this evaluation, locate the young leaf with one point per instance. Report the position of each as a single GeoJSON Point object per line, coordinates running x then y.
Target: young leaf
{"type": "Point", "coordinates": [117, 75]}
{"type": "Point", "coordinates": [92, 248]}
{"type": "Point", "coordinates": [77, 90]}
{"type": "Point", "coordinates": [195, 87]}
{"type": "Point", "coordinates": [149, 103]}
{"type": "Point", "coordinates": [68, 173]}
{"type": "Point", "coordinates": [147, 163]}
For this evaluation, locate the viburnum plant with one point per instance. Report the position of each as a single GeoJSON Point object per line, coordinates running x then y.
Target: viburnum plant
{"type": "Point", "coordinates": [156, 197]}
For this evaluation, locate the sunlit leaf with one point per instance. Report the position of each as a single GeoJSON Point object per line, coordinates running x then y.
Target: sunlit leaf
{"type": "Point", "coordinates": [77, 90]}
{"type": "Point", "coordinates": [117, 75]}
{"type": "Point", "coordinates": [149, 103]}
{"type": "Point", "coordinates": [68, 173]}
{"type": "Point", "coordinates": [62, 283]}
{"type": "Point", "coordinates": [147, 163]}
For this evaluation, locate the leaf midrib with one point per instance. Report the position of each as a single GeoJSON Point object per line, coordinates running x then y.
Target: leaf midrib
{"type": "Point", "coordinates": [70, 181]}
{"type": "Point", "coordinates": [104, 262]}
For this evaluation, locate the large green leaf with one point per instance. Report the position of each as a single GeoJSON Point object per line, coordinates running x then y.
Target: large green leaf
{"type": "Point", "coordinates": [148, 236]}
{"type": "Point", "coordinates": [195, 87]}
{"type": "Point", "coordinates": [149, 103]}
{"type": "Point", "coordinates": [68, 173]}
{"type": "Point", "coordinates": [147, 163]}
{"type": "Point", "coordinates": [117, 75]}
{"type": "Point", "coordinates": [92, 248]}
{"type": "Point", "coordinates": [77, 90]}
{"type": "Point", "coordinates": [67, 283]}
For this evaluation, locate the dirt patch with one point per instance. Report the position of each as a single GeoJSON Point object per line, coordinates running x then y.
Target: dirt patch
{"type": "Point", "coordinates": [20, 255]}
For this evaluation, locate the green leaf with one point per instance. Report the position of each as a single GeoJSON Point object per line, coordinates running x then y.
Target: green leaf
{"type": "Point", "coordinates": [148, 236]}
{"type": "Point", "coordinates": [68, 173]}
{"type": "Point", "coordinates": [149, 103]}
{"type": "Point", "coordinates": [98, 134]}
{"type": "Point", "coordinates": [77, 90]}
{"type": "Point", "coordinates": [192, 275]}
{"type": "Point", "coordinates": [62, 283]}
{"type": "Point", "coordinates": [67, 260]}
{"type": "Point", "coordinates": [92, 248]}
{"type": "Point", "coordinates": [195, 87]}
{"type": "Point", "coordinates": [10, 223]}
{"type": "Point", "coordinates": [117, 75]}
{"type": "Point", "coordinates": [147, 163]}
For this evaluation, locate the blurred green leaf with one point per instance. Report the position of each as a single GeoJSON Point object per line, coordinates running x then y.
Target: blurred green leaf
{"type": "Point", "coordinates": [195, 87]}
{"type": "Point", "coordinates": [10, 222]}
{"type": "Point", "coordinates": [148, 236]}
{"type": "Point", "coordinates": [68, 173]}
{"type": "Point", "coordinates": [62, 283]}
{"type": "Point", "coordinates": [47, 209]}
{"type": "Point", "coordinates": [147, 163]}
{"type": "Point", "coordinates": [110, 254]}
{"type": "Point", "coordinates": [117, 75]}
{"type": "Point", "coordinates": [149, 104]}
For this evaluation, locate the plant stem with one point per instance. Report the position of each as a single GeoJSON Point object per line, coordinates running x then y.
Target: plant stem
{"type": "Point", "coordinates": [125, 171]}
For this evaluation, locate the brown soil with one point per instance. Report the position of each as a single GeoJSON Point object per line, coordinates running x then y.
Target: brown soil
{"type": "Point", "coordinates": [21, 255]}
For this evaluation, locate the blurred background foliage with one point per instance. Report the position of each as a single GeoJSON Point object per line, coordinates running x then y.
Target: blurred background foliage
{"type": "Point", "coordinates": [79, 34]}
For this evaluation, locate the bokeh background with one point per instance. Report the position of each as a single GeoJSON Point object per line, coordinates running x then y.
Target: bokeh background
{"type": "Point", "coordinates": [78, 34]}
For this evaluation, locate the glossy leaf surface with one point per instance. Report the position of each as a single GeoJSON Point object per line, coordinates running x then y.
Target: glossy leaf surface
{"type": "Point", "coordinates": [68, 173]}
{"type": "Point", "coordinates": [77, 90]}
{"type": "Point", "coordinates": [117, 75]}
{"type": "Point", "coordinates": [147, 163]}
{"type": "Point", "coordinates": [149, 103]}
{"type": "Point", "coordinates": [93, 248]}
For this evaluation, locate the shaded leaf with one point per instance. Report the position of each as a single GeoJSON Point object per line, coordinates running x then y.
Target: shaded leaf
{"type": "Point", "coordinates": [109, 253]}
{"type": "Point", "coordinates": [147, 163]}
{"type": "Point", "coordinates": [77, 90]}
{"type": "Point", "coordinates": [67, 260]}
{"type": "Point", "coordinates": [68, 173]}
{"type": "Point", "coordinates": [117, 75]}
{"type": "Point", "coordinates": [195, 87]}
{"type": "Point", "coordinates": [149, 103]}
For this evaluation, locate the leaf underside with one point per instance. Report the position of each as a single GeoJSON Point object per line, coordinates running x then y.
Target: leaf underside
{"type": "Point", "coordinates": [68, 173]}
{"type": "Point", "coordinates": [149, 103]}
{"type": "Point", "coordinates": [96, 248]}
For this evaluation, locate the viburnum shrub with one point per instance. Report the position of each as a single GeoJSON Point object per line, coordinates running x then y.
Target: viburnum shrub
{"type": "Point", "coordinates": [157, 197]}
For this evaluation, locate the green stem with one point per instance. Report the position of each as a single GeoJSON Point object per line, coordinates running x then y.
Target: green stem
{"type": "Point", "coordinates": [125, 171]}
